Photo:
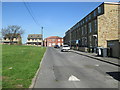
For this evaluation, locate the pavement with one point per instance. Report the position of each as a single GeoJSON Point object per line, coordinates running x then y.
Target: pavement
{"type": "Point", "coordinates": [70, 70]}
{"type": "Point", "coordinates": [110, 60]}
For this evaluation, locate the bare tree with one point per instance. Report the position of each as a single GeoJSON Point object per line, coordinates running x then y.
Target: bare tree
{"type": "Point", "coordinates": [11, 32]}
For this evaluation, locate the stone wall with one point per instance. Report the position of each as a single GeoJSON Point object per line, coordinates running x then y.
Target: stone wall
{"type": "Point", "coordinates": [119, 22]}
{"type": "Point", "coordinates": [108, 25]}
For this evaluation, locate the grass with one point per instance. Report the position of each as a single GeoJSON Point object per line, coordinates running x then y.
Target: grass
{"type": "Point", "coordinates": [19, 65]}
{"type": "Point", "coordinates": [0, 66]}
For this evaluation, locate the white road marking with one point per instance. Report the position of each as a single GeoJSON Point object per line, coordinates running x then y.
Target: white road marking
{"type": "Point", "coordinates": [73, 78]}
{"type": "Point", "coordinates": [97, 65]}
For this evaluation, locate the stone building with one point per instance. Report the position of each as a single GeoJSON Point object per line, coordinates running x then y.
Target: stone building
{"type": "Point", "coordinates": [52, 41]}
{"type": "Point", "coordinates": [96, 29]}
{"type": "Point", "coordinates": [35, 39]}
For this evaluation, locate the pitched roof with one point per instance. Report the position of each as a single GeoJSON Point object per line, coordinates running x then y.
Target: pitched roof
{"type": "Point", "coordinates": [53, 37]}
{"type": "Point", "coordinates": [14, 36]}
{"type": "Point", "coordinates": [35, 36]}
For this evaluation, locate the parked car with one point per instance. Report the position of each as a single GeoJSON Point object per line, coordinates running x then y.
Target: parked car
{"type": "Point", "coordinates": [56, 46]}
{"type": "Point", "coordinates": [65, 48]}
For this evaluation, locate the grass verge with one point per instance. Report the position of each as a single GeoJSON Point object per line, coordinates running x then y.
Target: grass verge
{"type": "Point", "coordinates": [19, 65]}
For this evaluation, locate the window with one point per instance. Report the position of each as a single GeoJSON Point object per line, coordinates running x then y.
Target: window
{"type": "Point", "coordinates": [78, 24]}
{"type": "Point", "coordinates": [82, 31]}
{"type": "Point", "coordinates": [89, 26]}
{"type": "Point", "coordinates": [95, 23]}
{"type": "Point", "coordinates": [99, 10]}
{"type": "Point", "coordinates": [89, 16]}
{"type": "Point", "coordinates": [58, 39]}
{"type": "Point", "coordinates": [53, 40]}
{"type": "Point", "coordinates": [94, 13]}
{"type": "Point", "coordinates": [53, 44]}
{"type": "Point", "coordinates": [86, 19]}
{"type": "Point", "coordinates": [85, 27]}
{"type": "Point", "coordinates": [83, 22]}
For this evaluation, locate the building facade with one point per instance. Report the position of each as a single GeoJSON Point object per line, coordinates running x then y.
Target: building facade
{"type": "Point", "coordinates": [35, 39]}
{"type": "Point", "coordinates": [52, 41]}
{"type": "Point", "coordinates": [15, 40]}
{"type": "Point", "coordinates": [95, 29]}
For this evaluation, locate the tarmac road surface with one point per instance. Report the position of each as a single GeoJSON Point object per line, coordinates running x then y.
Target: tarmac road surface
{"type": "Point", "coordinates": [70, 70]}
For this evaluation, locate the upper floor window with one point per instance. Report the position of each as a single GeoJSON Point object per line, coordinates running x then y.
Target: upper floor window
{"type": "Point", "coordinates": [99, 10]}
{"type": "Point", "coordinates": [53, 40]}
{"type": "Point", "coordinates": [90, 27]}
{"type": "Point", "coordinates": [83, 21]}
{"type": "Point", "coordinates": [85, 27]}
{"type": "Point", "coordinates": [86, 19]}
{"type": "Point", "coordinates": [58, 39]}
{"type": "Point", "coordinates": [82, 31]}
{"type": "Point", "coordinates": [89, 16]}
{"type": "Point", "coordinates": [95, 25]}
{"type": "Point", "coordinates": [94, 13]}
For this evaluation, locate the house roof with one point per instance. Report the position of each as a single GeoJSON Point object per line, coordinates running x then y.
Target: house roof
{"type": "Point", "coordinates": [112, 3]}
{"type": "Point", "coordinates": [15, 35]}
{"type": "Point", "coordinates": [35, 36]}
{"type": "Point", "coordinates": [54, 37]}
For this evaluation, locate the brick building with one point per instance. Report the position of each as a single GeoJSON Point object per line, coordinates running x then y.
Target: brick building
{"type": "Point", "coordinates": [52, 41]}
{"type": "Point", "coordinates": [96, 29]}
{"type": "Point", "coordinates": [35, 39]}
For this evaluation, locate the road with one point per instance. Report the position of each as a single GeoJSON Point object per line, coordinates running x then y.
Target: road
{"type": "Point", "coordinates": [70, 70]}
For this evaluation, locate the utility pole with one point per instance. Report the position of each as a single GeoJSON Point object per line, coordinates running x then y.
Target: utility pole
{"type": "Point", "coordinates": [70, 38]}
{"type": "Point", "coordinates": [42, 34]}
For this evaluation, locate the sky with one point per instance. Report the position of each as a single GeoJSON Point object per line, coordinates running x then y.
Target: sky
{"type": "Point", "coordinates": [55, 17]}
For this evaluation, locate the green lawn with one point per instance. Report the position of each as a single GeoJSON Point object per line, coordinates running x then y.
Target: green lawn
{"type": "Point", "coordinates": [19, 65]}
{"type": "Point", "coordinates": [0, 66]}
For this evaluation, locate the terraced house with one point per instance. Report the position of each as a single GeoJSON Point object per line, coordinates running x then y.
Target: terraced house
{"type": "Point", "coordinates": [17, 39]}
{"type": "Point", "coordinates": [100, 28]}
{"type": "Point", "coordinates": [35, 39]}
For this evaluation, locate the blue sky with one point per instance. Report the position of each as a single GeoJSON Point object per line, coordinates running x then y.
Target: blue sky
{"type": "Point", "coordinates": [55, 17]}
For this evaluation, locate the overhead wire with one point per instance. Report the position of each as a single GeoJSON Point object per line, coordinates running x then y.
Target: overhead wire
{"type": "Point", "coordinates": [30, 12]}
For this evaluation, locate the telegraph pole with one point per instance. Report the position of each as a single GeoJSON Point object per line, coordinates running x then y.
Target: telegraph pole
{"type": "Point", "coordinates": [70, 38]}
{"type": "Point", "coordinates": [42, 34]}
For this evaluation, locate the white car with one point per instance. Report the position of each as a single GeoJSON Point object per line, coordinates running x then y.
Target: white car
{"type": "Point", "coordinates": [65, 48]}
